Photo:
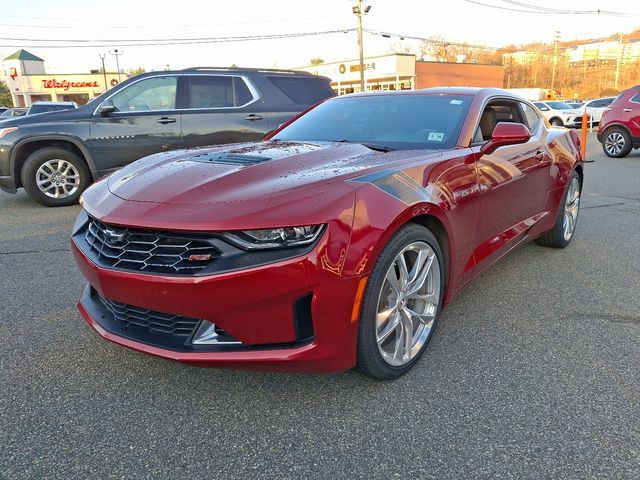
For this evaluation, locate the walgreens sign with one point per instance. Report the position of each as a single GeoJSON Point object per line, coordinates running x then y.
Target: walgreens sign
{"type": "Point", "coordinates": [66, 84]}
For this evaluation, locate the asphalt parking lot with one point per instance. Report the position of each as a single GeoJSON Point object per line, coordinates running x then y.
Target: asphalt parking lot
{"type": "Point", "coordinates": [534, 372]}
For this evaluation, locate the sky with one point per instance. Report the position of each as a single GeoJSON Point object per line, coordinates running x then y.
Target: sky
{"type": "Point", "coordinates": [37, 22]}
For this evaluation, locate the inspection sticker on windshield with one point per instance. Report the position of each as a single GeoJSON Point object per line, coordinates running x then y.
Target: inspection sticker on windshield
{"type": "Point", "coordinates": [435, 136]}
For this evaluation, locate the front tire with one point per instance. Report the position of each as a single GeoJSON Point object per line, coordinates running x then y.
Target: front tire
{"type": "Point", "coordinates": [55, 177]}
{"type": "Point", "coordinates": [617, 143]}
{"type": "Point", "coordinates": [556, 122]}
{"type": "Point", "coordinates": [562, 232]}
{"type": "Point", "coordinates": [401, 304]}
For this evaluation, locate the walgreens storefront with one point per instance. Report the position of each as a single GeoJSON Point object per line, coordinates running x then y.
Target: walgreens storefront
{"type": "Point", "coordinates": [28, 82]}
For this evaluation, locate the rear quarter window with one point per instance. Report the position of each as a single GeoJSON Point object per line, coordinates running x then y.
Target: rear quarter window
{"type": "Point", "coordinates": [635, 98]}
{"type": "Point", "coordinates": [306, 90]}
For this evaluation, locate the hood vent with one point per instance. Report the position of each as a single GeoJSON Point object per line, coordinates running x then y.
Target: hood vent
{"type": "Point", "coordinates": [225, 158]}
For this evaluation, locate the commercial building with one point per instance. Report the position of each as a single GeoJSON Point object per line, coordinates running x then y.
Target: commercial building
{"type": "Point", "coordinates": [402, 71]}
{"type": "Point", "coordinates": [25, 75]}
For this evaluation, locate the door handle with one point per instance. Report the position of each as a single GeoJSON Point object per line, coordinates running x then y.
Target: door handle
{"type": "Point", "coordinates": [626, 110]}
{"type": "Point", "coordinates": [539, 155]}
{"type": "Point", "coordinates": [165, 120]}
{"type": "Point", "coordinates": [252, 117]}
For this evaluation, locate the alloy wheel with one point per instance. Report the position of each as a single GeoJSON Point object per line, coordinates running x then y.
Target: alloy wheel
{"type": "Point", "coordinates": [408, 303]}
{"type": "Point", "coordinates": [57, 178]}
{"type": "Point", "coordinates": [571, 209]}
{"type": "Point", "coordinates": [614, 143]}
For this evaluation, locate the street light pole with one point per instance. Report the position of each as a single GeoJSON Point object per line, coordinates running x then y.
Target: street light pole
{"type": "Point", "coordinates": [117, 53]}
{"type": "Point", "coordinates": [618, 62]}
{"type": "Point", "coordinates": [104, 71]}
{"type": "Point", "coordinates": [555, 59]}
{"type": "Point", "coordinates": [359, 12]}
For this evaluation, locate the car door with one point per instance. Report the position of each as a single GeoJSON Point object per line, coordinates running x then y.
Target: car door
{"type": "Point", "coordinates": [222, 108]}
{"type": "Point", "coordinates": [144, 120]}
{"type": "Point", "coordinates": [513, 180]}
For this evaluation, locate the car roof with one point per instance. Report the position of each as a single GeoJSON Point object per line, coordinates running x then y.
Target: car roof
{"type": "Point", "coordinates": [44, 102]}
{"type": "Point", "coordinates": [471, 91]}
{"type": "Point", "coordinates": [230, 70]}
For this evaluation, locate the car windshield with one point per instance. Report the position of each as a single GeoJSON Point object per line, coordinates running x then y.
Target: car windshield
{"type": "Point", "coordinates": [559, 106]}
{"type": "Point", "coordinates": [400, 122]}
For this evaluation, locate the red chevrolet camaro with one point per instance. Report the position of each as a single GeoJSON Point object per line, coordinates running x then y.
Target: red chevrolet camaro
{"type": "Point", "coordinates": [333, 243]}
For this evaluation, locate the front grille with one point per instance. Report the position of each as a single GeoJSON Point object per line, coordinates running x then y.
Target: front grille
{"type": "Point", "coordinates": [148, 250]}
{"type": "Point", "coordinates": [128, 315]}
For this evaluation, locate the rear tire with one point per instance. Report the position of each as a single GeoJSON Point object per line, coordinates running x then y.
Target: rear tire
{"type": "Point", "coordinates": [55, 177]}
{"type": "Point", "coordinates": [616, 142]}
{"type": "Point", "coordinates": [562, 232]}
{"type": "Point", "coordinates": [404, 294]}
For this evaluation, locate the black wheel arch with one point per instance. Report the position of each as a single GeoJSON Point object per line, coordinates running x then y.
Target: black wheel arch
{"type": "Point", "coordinates": [616, 125]}
{"type": "Point", "coordinates": [28, 145]}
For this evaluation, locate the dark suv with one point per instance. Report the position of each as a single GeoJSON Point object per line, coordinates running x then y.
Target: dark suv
{"type": "Point", "coordinates": [619, 129]}
{"type": "Point", "coordinates": [56, 155]}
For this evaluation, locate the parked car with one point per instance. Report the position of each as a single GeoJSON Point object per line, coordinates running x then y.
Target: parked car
{"type": "Point", "coordinates": [559, 114]}
{"type": "Point", "coordinates": [619, 129]}
{"type": "Point", "coordinates": [575, 105]}
{"type": "Point", "coordinates": [43, 107]}
{"type": "Point", "coordinates": [12, 112]}
{"type": "Point", "coordinates": [56, 155]}
{"type": "Point", "coordinates": [596, 107]}
{"type": "Point", "coordinates": [335, 242]}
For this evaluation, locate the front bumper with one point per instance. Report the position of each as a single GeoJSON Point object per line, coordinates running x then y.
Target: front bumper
{"type": "Point", "coordinates": [254, 305]}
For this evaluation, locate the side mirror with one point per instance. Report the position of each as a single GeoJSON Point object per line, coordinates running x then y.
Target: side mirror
{"type": "Point", "coordinates": [544, 109]}
{"type": "Point", "coordinates": [107, 108]}
{"type": "Point", "coordinates": [506, 134]}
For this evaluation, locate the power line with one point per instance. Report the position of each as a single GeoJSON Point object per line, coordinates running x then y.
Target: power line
{"type": "Point", "coordinates": [87, 43]}
{"type": "Point", "coordinates": [190, 25]}
{"type": "Point", "coordinates": [529, 8]}
{"type": "Point", "coordinates": [426, 39]}
{"type": "Point", "coordinates": [571, 12]}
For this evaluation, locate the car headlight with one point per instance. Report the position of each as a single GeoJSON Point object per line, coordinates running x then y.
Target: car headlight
{"type": "Point", "coordinates": [273, 238]}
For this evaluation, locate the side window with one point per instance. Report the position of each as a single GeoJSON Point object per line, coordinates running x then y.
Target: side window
{"type": "Point", "coordinates": [532, 118]}
{"type": "Point", "coordinates": [635, 98]}
{"type": "Point", "coordinates": [305, 90]}
{"type": "Point", "coordinates": [156, 93]}
{"type": "Point", "coordinates": [494, 113]}
{"type": "Point", "coordinates": [211, 91]}
{"type": "Point", "coordinates": [541, 106]}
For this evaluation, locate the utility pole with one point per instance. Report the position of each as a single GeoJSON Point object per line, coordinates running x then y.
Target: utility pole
{"type": "Point", "coordinates": [359, 12]}
{"type": "Point", "coordinates": [618, 62]}
{"type": "Point", "coordinates": [117, 53]}
{"type": "Point", "coordinates": [104, 71]}
{"type": "Point", "coordinates": [556, 37]}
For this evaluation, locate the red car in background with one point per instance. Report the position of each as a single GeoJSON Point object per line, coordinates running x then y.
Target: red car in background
{"type": "Point", "coordinates": [619, 129]}
{"type": "Point", "coordinates": [335, 242]}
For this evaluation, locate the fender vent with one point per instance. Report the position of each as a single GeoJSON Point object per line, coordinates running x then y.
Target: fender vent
{"type": "Point", "coordinates": [229, 158]}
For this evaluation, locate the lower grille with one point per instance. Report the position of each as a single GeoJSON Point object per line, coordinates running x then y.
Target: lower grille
{"type": "Point", "coordinates": [128, 315]}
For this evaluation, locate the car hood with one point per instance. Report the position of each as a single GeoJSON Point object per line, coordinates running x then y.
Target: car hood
{"type": "Point", "coordinates": [248, 172]}
{"type": "Point", "coordinates": [70, 114]}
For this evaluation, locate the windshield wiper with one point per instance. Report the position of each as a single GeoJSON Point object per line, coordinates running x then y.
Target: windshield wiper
{"type": "Point", "coordinates": [373, 146]}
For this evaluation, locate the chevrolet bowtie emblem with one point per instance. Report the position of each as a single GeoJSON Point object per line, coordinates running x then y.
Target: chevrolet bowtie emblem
{"type": "Point", "coordinates": [112, 236]}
